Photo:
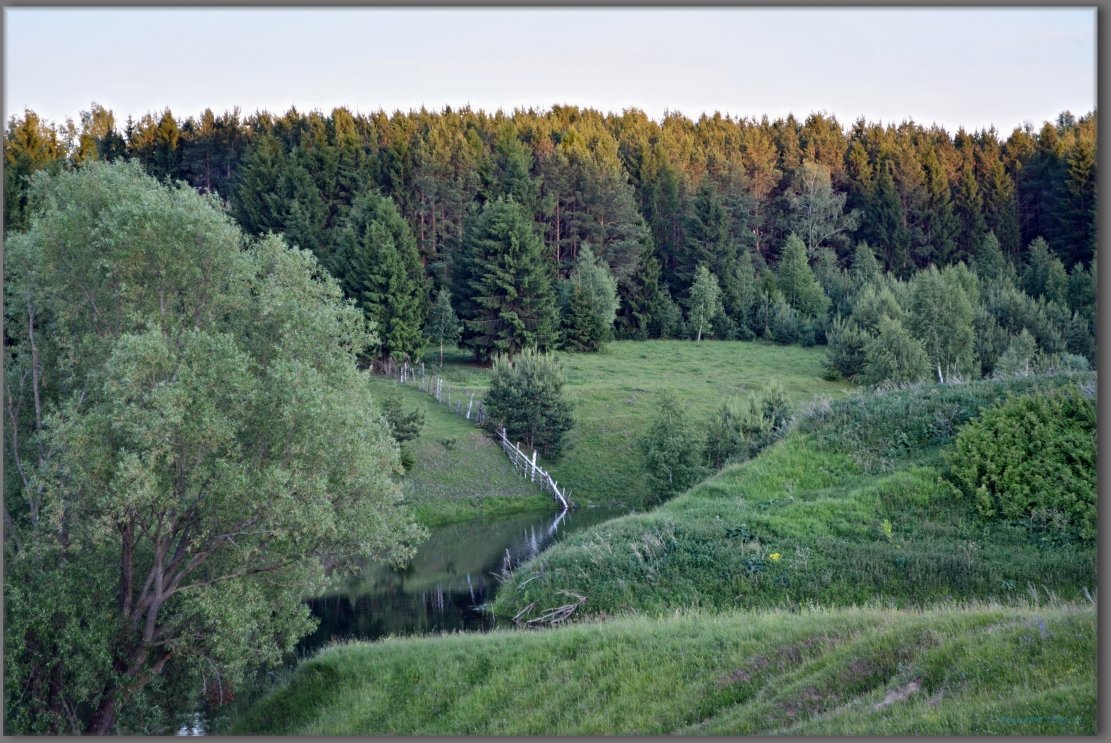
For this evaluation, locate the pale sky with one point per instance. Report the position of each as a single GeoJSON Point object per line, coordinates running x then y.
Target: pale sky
{"type": "Point", "coordinates": [951, 66]}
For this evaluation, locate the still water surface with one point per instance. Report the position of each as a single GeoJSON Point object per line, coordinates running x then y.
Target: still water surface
{"type": "Point", "coordinates": [443, 588]}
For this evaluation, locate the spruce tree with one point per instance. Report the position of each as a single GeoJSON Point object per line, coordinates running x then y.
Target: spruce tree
{"type": "Point", "coordinates": [885, 223]}
{"type": "Point", "coordinates": [510, 301]}
{"type": "Point", "coordinates": [378, 266]}
{"type": "Point", "coordinates": [672, 449]}
{"type": "Point", "coordinates": [796, 281]}
{"type": "Point", "coordinates": [589, 304]}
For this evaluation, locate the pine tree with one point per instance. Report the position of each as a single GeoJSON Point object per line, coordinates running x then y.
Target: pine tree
{"type": "Point", "coordinates": [510, 303]}
{"type": "Point", "coordinates": [885, 223]}
{"type": "Point", "coordinates": [969, 210]}
{"type": "Point", "coordinates": [443, 325]}
{"type": "Point", "coordinates": [526, 397]}
{"type": "Point", "coordinates": [256, 196]}
{"type": "Point", "coordinates": [940, 225]}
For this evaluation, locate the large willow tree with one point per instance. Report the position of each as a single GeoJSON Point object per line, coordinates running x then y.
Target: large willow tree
{"type": "Point", "coordinates": [188, 443]}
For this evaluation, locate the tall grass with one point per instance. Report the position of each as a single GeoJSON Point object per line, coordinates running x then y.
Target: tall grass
{"type": "Point", "coordinates": [849, 508]}
{"type": "Point", "coordinates": [952, 670]}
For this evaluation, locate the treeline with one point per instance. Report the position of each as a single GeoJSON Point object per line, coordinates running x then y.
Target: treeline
{"type": "Point", "coordinates": [482, 205]}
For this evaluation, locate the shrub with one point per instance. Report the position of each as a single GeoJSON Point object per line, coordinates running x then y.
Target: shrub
{"type": "Point", "coordinates": [894, 355]}
{"type": "Point", "coordinates": [1032, 460]}
{"type": "Point", "coordinates": [526, 397]}
{"type": "Point", "coordinates": [671, 449]}
{"type": "Point", "coordinates": [845, 344]}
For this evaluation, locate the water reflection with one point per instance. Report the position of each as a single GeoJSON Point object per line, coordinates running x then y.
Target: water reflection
{"type": "Point", "coordinates": [452, 575]}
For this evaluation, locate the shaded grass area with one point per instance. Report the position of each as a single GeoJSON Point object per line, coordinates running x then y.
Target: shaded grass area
{"type": "Point", "coordinates": [459, 472]}
{"type": "Point", "coordinates": [614, 393]}
{"type": "Point", "coordinates": [849, 508]}
{"type": "Point", "coordinates": [978, 670]}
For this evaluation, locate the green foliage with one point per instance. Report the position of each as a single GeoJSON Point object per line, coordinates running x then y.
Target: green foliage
{"type": "Point", "coordinates": [378, 266]}
{"type": "Point", "coordinates": [403, 426]}
{"type": "Point", "coordinates": [940, 314]}
{"type": "Point", "coordinates": [1032, 460]}
{"type": "Point", "coordinates": [797, 282]}
{"type": "Point", "coordinates": [874, 303]}
{"type": "Point", "coordinates": [526, 398]}
{"type": "Point", "coordinates": [845, 344]}
{"type": "Point", "coordinates": [506, 284]}
{"type": "Point", "coordinates": [671, 447]}
{"type": "Point", "coordinates": [195, 442]}
{"type": "Point", "coordinates": [443, 326]}
{"type": "Point", "coordinates": [705, 301]}
{"type": "Point", "coordinates": [894, 355]}
{"type": "Point", "coordinates": [589, 303]}
{"type": "Point", "coordinates": [1018, 359]}
{"type": "Point", "coordinates": [738, 430]}
{"type": "Point", "coordinates": [817, 671]}
{"type": "Point", "coordinates": [817, 212]}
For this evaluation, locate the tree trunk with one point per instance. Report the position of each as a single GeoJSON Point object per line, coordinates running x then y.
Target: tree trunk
{"type": "Point", "coordinates": [104, 719]}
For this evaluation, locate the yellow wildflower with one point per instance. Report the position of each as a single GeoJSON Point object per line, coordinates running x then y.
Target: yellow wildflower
{"type": "Point", "coordinates": [774, 556]}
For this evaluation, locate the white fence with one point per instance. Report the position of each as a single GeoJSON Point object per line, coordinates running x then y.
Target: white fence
{"type": "Point", "coordinates": [527, 465]}
{"type": "Point", "coordinates": [468, 403]}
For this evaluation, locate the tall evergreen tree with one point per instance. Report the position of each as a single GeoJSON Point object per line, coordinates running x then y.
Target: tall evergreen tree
{"type": "Point", "coordinates": [378, 266]}
{"type": "Point", "coordinates": [797, 282]}
{"type": "Point", "coordinates": [885, 224]}
{"type": "Point", "coordinates": [510, 303]}
{"type": "Point", "coordinates": [589, 304]}
{"type": "Point", "coordinates": [969, 210]}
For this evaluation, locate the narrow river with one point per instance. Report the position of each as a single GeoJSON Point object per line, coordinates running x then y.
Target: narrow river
{"type": "Point", "coordinates": [442, 589]}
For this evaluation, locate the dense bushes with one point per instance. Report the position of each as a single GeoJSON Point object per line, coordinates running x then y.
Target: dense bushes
{"type": "Point", "coordinates": [1032, 460]}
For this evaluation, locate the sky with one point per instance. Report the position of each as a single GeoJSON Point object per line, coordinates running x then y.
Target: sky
{"type": "Point", "coordinates": [951, 66]}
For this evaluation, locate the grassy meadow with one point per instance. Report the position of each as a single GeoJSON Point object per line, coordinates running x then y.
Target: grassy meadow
{"type": "Point", "coordinates": [459, 473]}
{"type": "Point", "coordinates": [945, 671]}
{"type": "Point", "coordinates": [614, 394]}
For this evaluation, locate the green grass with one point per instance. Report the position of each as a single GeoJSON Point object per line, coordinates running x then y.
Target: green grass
{"type": "Point", "coordinates": [853, 504]}
{"type": "Point", "coordinates": [614, 395]}
{"type": "Point", "coordinates": [459, 472]}
{"type": "Point", "coordinates": [959, 670]}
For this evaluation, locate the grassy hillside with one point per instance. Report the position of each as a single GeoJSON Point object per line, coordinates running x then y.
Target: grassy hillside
{"type": "Point", "coordinates": [849, 508]}
{"type": "Point", "coordinates": [986, 670]}
{"type": "Point", "coordinates": [459, 472]}
{"type": "Point", "coordinates": [614, 394]}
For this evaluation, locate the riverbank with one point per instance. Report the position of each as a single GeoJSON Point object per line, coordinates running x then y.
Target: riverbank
{"type": "Point", "coordinates": [955, 670]}
{"type": "Point", "coordinates": [851, 507]}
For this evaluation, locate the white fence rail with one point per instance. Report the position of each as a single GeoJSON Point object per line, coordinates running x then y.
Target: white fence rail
{"type": "Point", "coordinates": [468, 403]}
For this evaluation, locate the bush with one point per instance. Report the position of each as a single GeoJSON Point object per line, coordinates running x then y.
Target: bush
{"type": "Point", "coordinates": [845, 344]}
{"type": "Point", "coordinates": [738, 432]}
{"type": "Point", "coordinates": [1032, 460]}
{"type": "Point", "coordinates": [671, 449]}
{"type": "Point", "coordinates": [526, 397]}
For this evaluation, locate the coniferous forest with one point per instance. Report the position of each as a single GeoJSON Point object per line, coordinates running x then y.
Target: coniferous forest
{"type": "Point", "coordinates": [791, 218]}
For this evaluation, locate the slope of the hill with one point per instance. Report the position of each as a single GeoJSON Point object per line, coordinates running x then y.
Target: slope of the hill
{"type": "Point", "coordinates": [967, 671]}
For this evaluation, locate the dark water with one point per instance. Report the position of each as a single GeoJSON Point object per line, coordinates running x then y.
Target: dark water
{"type": "Point", "coordinates": [442, 589]}
{"type": "Point", "coordinates": [447, 582]}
